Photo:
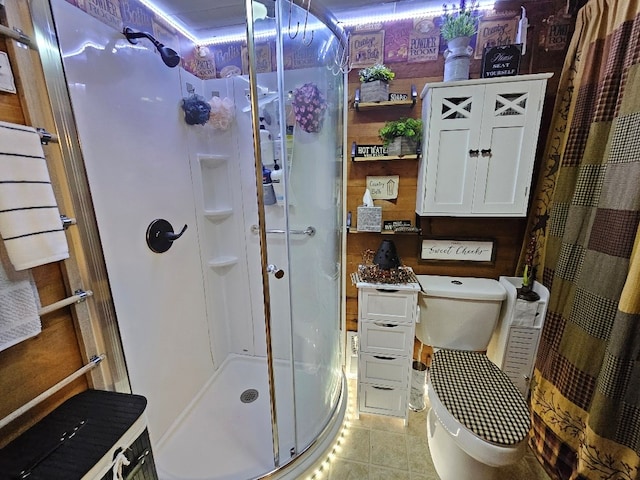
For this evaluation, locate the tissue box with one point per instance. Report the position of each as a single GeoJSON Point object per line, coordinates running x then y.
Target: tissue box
{"type": "Point", "coordinates": [369, 219]}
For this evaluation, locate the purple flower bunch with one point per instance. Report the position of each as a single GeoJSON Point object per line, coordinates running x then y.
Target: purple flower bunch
{"type": "Point", "coordinates": [309, 106]}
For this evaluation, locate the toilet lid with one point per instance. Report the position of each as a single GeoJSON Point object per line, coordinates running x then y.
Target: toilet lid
{"type": "Point", "coordinates": [480, 396]}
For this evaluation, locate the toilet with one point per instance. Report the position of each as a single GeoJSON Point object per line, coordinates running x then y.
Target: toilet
{"type": "Point", "coordinates": [478, 420]}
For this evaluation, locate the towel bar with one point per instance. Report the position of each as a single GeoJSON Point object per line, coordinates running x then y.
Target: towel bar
{"type": "Point", "coordinates": [78, 297]}
{"type": "Point", "coordinates": [93, 363]}
{"type": "Point", "coordinates": [46, 137]}
{"type": "Point", "coordinates": [16, 34]}
{"type": "Point", "coordinates": [311, 231]}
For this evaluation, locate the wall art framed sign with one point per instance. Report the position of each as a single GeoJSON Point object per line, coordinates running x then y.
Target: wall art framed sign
{"type": "Point", "coordinates": [458, 250]}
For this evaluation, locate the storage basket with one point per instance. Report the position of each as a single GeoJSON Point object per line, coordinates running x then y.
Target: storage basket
{"type": "Point", "coordinates": [82, 439]}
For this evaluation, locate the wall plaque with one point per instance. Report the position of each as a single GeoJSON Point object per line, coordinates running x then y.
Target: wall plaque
{"type": "Point", "coordinates": [383, 188]}
{"type": "Point", "coordinates": [501, 61]}
{"type": "Point", "coordinates": [457, 250]}
{"type": "Point", "coordinates": [366, 49]}
{"type": "Point", "coordinates": [495, 32]}
{"type": "Point", "coordinates": [370, 151]}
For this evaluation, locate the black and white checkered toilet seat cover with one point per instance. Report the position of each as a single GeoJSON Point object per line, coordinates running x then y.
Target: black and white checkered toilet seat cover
{"type": "Point", "coordinates": [480, 396]}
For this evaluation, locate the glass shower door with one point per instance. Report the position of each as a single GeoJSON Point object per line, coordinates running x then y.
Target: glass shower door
{"type": "Point", "coordinates": [312, 121]}
{"type": "Point", "coordinates": [300, 146]}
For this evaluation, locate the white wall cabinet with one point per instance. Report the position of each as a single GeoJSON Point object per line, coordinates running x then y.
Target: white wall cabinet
{"type": "Point", "coordinates": [479, 146]}
{"type": "Point", "coordinates": [386, 329]}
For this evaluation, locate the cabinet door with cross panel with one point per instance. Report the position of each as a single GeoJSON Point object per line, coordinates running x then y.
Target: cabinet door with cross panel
{"type": "Point", "coordinates": [480, 142]}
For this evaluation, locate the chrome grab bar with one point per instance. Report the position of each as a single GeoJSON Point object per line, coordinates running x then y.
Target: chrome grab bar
{"type": "Point", "coordinates": [310, 231]}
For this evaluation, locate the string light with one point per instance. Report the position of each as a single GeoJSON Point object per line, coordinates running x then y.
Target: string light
{"type": "Point", "coordinates": [346, 22]}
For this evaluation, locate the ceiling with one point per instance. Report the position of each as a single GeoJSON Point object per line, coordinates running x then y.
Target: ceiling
{"type": "Point", "coordinates": [202, 17]}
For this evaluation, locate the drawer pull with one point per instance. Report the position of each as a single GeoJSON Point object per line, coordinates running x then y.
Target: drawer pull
{"type": "Point", "coordinates": [381, 388]}
{"type": "Point", "coordinates": [385, 325]}
{"type": "Point", "coordinates": [386, 290]}
{"type": "Point", "coordinates": [380, 357]}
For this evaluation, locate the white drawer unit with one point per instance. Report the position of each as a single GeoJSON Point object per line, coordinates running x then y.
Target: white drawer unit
{"type": "Point", "coordinates": [386, 338]}
{"type": "Point", "coordinates": [386, 330]}
{"type": "Point", "coordinates": [386, 304]}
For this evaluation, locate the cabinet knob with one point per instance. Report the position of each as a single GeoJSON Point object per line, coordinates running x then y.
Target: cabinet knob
{"type": "Point", "coordinates": [486, 152]}
{"type": "Point", "coordinates": [474, 153]}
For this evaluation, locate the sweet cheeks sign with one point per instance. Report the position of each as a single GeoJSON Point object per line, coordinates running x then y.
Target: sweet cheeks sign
{"type": "Point", "coordinates": [457, 250]}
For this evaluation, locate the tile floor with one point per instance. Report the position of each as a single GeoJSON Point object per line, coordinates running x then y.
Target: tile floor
{"type": "Point", "coordinates": [382, 448]}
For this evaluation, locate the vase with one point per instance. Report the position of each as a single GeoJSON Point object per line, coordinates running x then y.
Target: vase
{"type": "Point", "coordinates": [373, 92]}
{"type": "Point", "coordinates": [401, 146]}
{"type": "Point", "coordinates": [457, 58]}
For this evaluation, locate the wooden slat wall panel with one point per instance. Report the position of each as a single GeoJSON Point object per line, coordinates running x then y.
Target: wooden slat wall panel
{"type": "Point", "coordinates": [31, 367]}
{"type": "Point", "coordinates": [363, 127]}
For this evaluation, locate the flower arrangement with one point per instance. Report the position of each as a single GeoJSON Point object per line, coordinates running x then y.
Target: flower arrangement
{"type": "Point", "coordinates": [410, 128]}
{"type": "Point", "coordinates": [370, 272]}
{"type": "Point", "coordinates": [309, 106]}
{"type": "Point", "coordinates": [376, 72]}
{"type": "Point", "coordinates": [460, 22]}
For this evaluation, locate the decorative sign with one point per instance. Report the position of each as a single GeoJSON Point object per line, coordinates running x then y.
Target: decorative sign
{"type": "Point", "coordinates": [383, 188]}
{"type": "Point", "coordinates": [391, 225]}
{"type": "Point", "coordinates": [370, 151]}
{"type": "Point", "coordinates": [107, 11]}
{"type": "Point", "coordinates": [366, 49]}
{"type": "Point", "coordinates": [7, 83]}
{"type": "Point", "coordinates": [263, 58]}
{"type": "Point", "coordinates": [398, 97]}
{"type": "Point", "coordinates": [502, 61]}
{"type": "Point", "coordinates": [494, 33]}
{"type": "Point", "coordinates": [557, 34]}
{"type": "Point", "coordinates": [458, 250]}
{"type": "Point", "coordinates": [228, 59]}
{"type": "Point", "coordinates": [424, 41]}
{"type": "Point", "coordinates": [396, 41]}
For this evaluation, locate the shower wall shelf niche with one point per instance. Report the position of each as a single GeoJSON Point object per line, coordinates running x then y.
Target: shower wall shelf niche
{"type": "Point", "coordinates": [215, 186]}
{"type": "Point", "coordinates": [217, 202]}
{"type": "Point", "coordinates": [223, 261]}
{"type": "Point", "coordinates": [219, 214]}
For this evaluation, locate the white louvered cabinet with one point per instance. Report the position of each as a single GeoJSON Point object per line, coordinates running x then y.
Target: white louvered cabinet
{"type": "Point", "coordinates": [514, 344]}
{"type": "Point", "coordinates": [480, 140]}
{"type": "Point", "coordinates": [386, 330]}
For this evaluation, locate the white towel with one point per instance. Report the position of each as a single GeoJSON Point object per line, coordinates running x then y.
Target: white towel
{"type": "Point", "coordinates": [30, 222]}
{"type": "Point", "coordinates": [19, 305]}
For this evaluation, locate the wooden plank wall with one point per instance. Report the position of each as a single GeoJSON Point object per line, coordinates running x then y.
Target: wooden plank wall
{"type": "Point", "coordinates": [363, 126]}
{"type": "Point", "coordinates": [31, 367]}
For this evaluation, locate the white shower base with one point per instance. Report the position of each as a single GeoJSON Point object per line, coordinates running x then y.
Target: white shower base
{"type": "Point", "coordinates": [220, 438]}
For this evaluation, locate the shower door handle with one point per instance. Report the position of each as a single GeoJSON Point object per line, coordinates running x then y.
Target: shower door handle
{"type": "Point", "coordinates": [277, 272]}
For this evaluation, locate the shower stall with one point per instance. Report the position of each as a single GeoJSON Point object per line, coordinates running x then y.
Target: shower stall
{"type": "Point", "coordinates": [227, 291]}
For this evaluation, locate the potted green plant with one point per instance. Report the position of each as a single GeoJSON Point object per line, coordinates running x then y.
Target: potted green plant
{"type": "Point", "coordinates": [401, 137]}
{"type": "Point", "coordinates": [458, 26]}
{"type": "Point", "coordinates": [374, 83]}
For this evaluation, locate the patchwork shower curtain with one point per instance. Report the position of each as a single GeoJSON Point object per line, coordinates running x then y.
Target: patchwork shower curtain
{"type": "Point", "coordinates": [585, 398]}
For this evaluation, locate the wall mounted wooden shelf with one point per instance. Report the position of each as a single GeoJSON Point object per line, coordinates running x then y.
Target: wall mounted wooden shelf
{"type": "Point", "coordinates": [385, 232]}
{"type": "Point", "coordinates": [410, 102]}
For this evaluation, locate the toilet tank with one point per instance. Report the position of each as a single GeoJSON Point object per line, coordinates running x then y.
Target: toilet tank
{"type": "Point", "coordinates": [458, 312]}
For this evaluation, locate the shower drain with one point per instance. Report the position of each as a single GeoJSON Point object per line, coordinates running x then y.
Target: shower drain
{"type": "Point", "coordinates": [249, 395]}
